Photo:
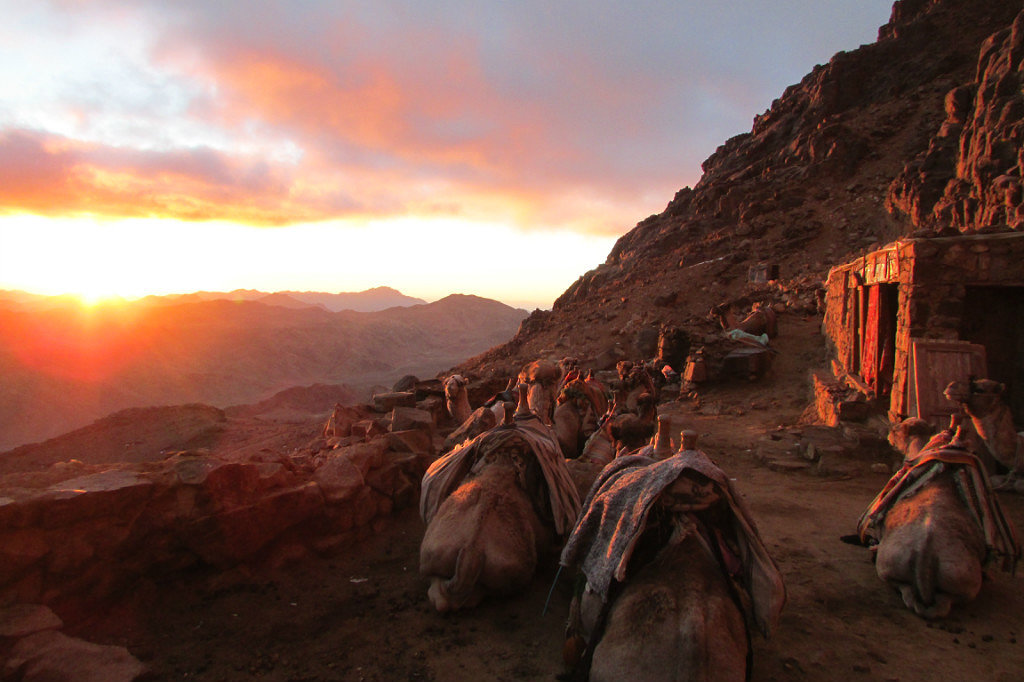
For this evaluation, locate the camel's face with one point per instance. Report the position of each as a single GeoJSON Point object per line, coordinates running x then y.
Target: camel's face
{"type": "Point", "coordinates": [980, 396]}
{"type": "Point", "coordinates": [910, 435]}
{"type": "Point", "coordinates": [454, 385]}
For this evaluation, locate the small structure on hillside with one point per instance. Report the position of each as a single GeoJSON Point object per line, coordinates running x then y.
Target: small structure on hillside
{"type": "Point", "coordinates": [905, 320]}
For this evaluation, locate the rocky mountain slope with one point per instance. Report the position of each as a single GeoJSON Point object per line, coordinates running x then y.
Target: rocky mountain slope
{"type": "Point", "coordinates": [920, 130]}
{"type": "Point", "coordinates": [66, 367]}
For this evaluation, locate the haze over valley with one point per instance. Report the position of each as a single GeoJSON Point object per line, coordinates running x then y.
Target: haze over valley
{"type": "Point", "coordinates": [65, 365]}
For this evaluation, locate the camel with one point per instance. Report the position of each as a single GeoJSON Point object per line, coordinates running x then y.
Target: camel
{"type": "Point", "coordinates": [542, 378]}
{"type": "Point", "coordinates": [634, 382]}
{"type": "Point", "coordinates": [630, 433]}
{"type": "Point", "coordinates": [569, 367]}
{"type": "Point", "coordinates": [675, 573]}
{"type": "Point", "coordinates": [1001, 448]}
{"type": "Point", "coordinates": [568, 427]}
{"type": "Point", "coordinates": [598, 451]}
{"type": "Point", "coordinates": [486, 538]}
{"type": "Point", "coordinates": [597, 388]}
{"type": "Point", "coordinates": [497, 402]}
{"type": "Point", "coordinates": [456, 398]}
{"type": "Point", "coordinates": [600, 447]}
{"type": "Point", "coordinates": [935, 523]}
{"type": "Point", "coordinates": [494, 508]}
{"type": "Point", "coordinates": [580, 405]}
{"type": "Point", "coordinates": [680, 606]}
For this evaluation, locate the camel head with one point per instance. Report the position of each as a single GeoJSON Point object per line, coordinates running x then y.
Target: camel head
{"type": "Point", "coordinates": [629, 432]}
{"type": "Point", "coordinates": [574, 391]}
{"type": "Point", "coordinates": [453, 385]}
{"type": "Point", "coordinates": [978, 397]}
{"type": "Point", "coordinates": [569, 364]}
{"type": "Point", "coordinates": [910, 435]}
{"type": "Point", "coordinates": [720, 314]}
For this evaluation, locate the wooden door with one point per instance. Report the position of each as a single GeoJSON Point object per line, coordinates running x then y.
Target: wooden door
{"type": "Point", "coordinates": [933, 365]}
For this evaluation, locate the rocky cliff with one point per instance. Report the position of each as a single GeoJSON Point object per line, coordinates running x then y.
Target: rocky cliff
{"type": "Point", "coordinates": [921, 129]}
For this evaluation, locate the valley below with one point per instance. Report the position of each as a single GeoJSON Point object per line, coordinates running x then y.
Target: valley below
{"type": "Point", "coordinates": [64, 366]}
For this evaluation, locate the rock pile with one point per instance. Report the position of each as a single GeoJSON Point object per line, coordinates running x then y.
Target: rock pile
{"type": "Point", "coordinates": [76, 534]}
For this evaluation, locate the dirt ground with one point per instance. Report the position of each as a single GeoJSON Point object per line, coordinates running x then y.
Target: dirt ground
{"type": "Point", "coordinates": [365, 616]}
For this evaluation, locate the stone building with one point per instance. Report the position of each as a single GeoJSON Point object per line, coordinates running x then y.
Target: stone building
{"type": "Point", "coordinates": [905, 320]}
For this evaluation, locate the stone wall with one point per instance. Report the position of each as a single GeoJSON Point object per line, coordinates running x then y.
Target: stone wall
{"type": "Point", "coordinates": [933, 276]}
{"type": "Point", "coordinates": [96, 530]}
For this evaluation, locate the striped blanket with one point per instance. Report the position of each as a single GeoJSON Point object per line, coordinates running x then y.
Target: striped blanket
{"type": "Point", "coordinates": [971, 484]}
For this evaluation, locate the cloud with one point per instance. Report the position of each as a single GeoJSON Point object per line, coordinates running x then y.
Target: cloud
{"type": "Point", "coordinates": [584, 116]}
{"type": "Point", "coordinates": [52, 175]}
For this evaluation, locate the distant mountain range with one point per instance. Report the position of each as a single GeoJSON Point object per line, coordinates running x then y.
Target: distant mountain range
{"type": "Point", "coordinates": [63, 366]}
{"type": "Point", "coordinates": [368, 301]}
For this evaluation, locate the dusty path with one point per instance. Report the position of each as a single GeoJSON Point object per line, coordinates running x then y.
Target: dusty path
{"type": "Point", "coordinates": [365, 616]}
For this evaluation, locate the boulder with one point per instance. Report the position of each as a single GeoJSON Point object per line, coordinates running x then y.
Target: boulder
{"type": "Point", "coordinates": [339, 479]}
{"type": "Point", "coordinates": [385, 402]}
{"type": "Point", "coordinates": [417, 442]}
{"type": "Point", "coordinates": [21, 620]}
{"type": "Point", "coordinates": [367, 429]}
{"type": "Point", "coordinates": [51, 656]}
{"type": "Point", "coordinates": [365, 456]}
{"type": "Point", "coordinates": [406, 383]}
{"type": "Point", "coordinates": [411, 419]}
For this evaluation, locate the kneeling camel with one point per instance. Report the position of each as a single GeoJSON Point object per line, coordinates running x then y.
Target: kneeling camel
{"type": "Point", "coordinates": [493, 507]}
{"type": "Point", "coordinates": [675, 574]}
{"type": "Point", "coordinates": [936, 524]}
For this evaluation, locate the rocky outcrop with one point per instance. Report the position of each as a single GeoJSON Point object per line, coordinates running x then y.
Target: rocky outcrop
{"type": "Point", "coordinates": [81, 533]}
{"type": "Point", "coordinates": [812, 183]}
{"type": "Point", "coordinates": [970, 177]}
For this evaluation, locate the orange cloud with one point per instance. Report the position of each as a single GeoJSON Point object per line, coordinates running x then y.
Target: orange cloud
{"type": "Point", "coordinates": [377, 134]}
{"type": "Point", "coordinates": [50, 175]}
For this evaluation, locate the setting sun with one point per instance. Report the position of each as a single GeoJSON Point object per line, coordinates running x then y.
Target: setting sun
{"type": "Point", "coordinates": [97, 260]}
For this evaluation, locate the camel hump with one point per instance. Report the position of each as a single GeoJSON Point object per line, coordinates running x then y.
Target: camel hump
{"type": "Point", "coordinates": [681, 608]}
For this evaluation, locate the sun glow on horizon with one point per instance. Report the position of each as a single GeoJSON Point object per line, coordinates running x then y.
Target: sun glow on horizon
{"type": "Point", "coordinates": [102, 261]}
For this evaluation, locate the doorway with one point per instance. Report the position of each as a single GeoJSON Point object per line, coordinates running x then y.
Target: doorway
{"type": "Point", "coordinates": [994, 318]}
{"type": "Point", "coordinates": [878, 338]}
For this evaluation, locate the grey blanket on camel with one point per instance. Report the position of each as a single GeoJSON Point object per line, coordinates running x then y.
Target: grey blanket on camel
{"type": "Point", "coordinates": [615, 516]}
{"type": "Point", "coordinates": [448, 471]}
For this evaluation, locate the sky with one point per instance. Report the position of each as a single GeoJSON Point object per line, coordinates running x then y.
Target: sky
{"type": "Point", "coordinates": [489, 148]}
